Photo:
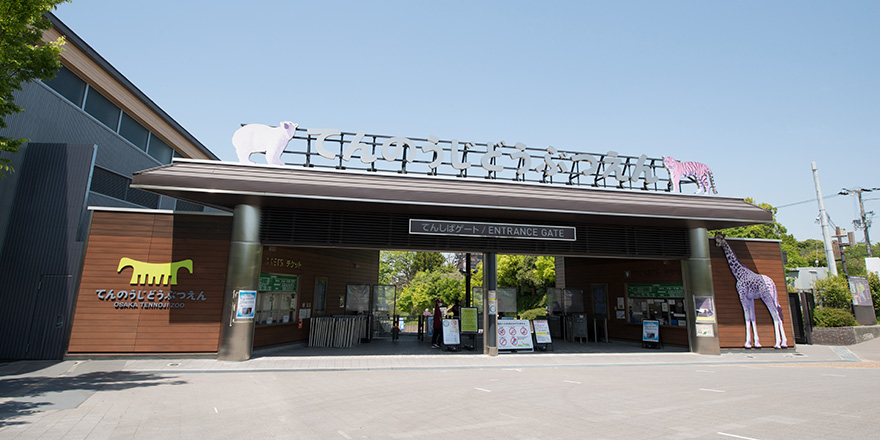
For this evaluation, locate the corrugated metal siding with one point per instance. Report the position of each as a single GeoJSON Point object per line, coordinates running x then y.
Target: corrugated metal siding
{"type": "Point", "coordinates": [40, 255]}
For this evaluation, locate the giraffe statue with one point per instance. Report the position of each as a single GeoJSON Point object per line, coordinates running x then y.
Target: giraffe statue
{"type": "Point", "coordinates": [752, 286]}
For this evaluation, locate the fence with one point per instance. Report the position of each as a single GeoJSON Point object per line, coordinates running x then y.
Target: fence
{"type": "Point", "coordinates": [338, 331]}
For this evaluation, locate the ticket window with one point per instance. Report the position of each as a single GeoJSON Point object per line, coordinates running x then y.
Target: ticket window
{"type": "Point", "coordinates": [669, 311]}
{"type": "Point", "coordinates": [275, 307]}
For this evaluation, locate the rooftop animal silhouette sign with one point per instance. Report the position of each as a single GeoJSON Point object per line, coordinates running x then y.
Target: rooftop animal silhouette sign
{"type": "Point", "coordinates": [333, 148]}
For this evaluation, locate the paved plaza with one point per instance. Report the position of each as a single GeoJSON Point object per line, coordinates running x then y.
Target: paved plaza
{"type": "Point", "coordinates": [404, 389]}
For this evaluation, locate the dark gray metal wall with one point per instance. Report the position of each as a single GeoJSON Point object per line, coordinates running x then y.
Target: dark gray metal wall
{"type": "Point", "coordinates": [42, 252]}
{"type": "Point", "coordinates": [43, 216]}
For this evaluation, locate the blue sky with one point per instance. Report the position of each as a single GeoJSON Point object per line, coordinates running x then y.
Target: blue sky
{"type": "Point", "coordinates": [756, 90]}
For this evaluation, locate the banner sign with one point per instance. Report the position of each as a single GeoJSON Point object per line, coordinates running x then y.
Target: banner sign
{"type": "Point", "coordinates": [469, 322]}
{"type": "Point", "coordinates": [655, 290]}
{"type": "Point", "coordinates": [514, 334]}
{"type": "Point", "coordinates": [492, 230]}
{"type": "Point", "coordinates": [450, 332]}
{"type": "Point", "coordinates": [650, 331]}
{"type": "Point", "coordinates": [542, 331]}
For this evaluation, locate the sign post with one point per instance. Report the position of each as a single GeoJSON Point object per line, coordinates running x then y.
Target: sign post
{"type": "Point", "coordinates": [542, 334]}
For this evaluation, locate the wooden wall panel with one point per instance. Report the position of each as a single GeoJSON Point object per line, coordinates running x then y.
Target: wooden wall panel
{"type": "Point", "coordinates": [765, 258]}
{"type": "Point", "coordinates": [340, 266]}
{"type": "Point", "coordinates": [581, 272]}
{"type": "Point", "coordinates": [100, 327]}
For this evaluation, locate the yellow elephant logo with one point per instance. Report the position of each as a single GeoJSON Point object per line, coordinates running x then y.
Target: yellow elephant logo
{"type": "Point", "coordinates": [154, 273]}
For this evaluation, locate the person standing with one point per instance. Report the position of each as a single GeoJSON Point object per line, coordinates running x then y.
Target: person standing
{"type": "Point", "coordinates": [438, 325]}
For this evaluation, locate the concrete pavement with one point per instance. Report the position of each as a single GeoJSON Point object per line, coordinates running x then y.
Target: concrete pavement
{"type": "Point", "coordinates": [133, 398]}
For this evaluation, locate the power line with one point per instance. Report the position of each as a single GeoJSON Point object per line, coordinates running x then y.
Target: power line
{"type": "Point", "coordinates": [807, 201]}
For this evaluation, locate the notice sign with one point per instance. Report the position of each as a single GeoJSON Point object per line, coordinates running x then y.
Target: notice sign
{"type": "Point", "coordinates": [247, 302]}
{"type": "Point", "coordinates": [469, 320]}
{"type": "Point", "coordinates": [492, 230]}
{"type": "Point", "coordinates": [514, 334]}
{"type": "Point", "coordinates": [450, 332]}
{"type": "Point", "coordinates": [493, 302]}
{"type": "Point", "coordinates": [542, 331]}
{"type": "Point", "coordinates": [650, 331]}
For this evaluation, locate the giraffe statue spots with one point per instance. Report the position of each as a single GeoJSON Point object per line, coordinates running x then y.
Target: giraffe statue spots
{"type": "Point", "coordinates": [751, 286]}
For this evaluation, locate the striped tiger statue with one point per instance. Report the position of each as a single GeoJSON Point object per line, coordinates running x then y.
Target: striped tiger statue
{"type": "Point", "coordinates": [698, 170]}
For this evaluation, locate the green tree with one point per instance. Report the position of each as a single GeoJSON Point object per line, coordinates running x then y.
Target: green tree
{"type": "Point", "coordinates": [531, 275]}
{"type": "Point", "coordinates": [399, 267]}
{"type": "Point", "coordinates": [874, 282]}
{"type": "Point", "coordinates": [774, 231]}
{"type": "Point", "coordinates": [426, 287]}
{"type": "Point", "coordinates": [23, 58]}
{"type": "Point", "coordinates": [834, 292]}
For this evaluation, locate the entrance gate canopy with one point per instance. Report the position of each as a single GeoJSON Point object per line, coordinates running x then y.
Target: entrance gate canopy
{"type": "Point", "coordinates": [345, 208]}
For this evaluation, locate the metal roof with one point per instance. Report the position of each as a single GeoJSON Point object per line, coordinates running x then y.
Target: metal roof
{"type": "Point", "coordinates": [226, 184]}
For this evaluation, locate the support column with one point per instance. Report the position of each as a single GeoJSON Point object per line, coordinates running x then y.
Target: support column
{"type": "Point", "coordinates": [697, 274]}
{"type": "Point", "coordinates": [242, 273]}
{"type": "Point", "coordinates": [490, 283]}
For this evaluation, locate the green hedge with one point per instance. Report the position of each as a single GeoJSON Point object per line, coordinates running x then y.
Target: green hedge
{"type": "Point", "coordinates": [832, 317]}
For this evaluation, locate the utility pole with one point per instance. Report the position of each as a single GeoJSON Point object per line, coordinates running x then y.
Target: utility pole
{"type": "Point", "coordinates": [826, 234]}
{"type": "Point", "coordinates": [864, 222]}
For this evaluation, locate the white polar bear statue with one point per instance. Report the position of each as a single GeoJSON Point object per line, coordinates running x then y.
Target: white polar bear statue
{"type": "Point", "coordinates": [259, 138]}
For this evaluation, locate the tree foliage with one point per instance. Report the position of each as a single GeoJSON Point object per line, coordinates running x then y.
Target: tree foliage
{"type": "Point", "coordinates": [834, 292]}
{"type": "Point", "coordinates": [23, 58]}
{"type": "Point", "coordinates": [531, 275]}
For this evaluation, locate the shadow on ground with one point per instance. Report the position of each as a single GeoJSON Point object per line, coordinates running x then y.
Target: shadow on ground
{"type": "Point", "coordinates": [22, 396]}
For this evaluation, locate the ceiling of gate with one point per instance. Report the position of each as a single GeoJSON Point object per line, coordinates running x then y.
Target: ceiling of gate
{"type": "Point", "coordinates": [224, 185]}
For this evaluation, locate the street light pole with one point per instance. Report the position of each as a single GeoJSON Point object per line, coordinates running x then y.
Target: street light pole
{"type": "Point", "coordinates": [829, 254]}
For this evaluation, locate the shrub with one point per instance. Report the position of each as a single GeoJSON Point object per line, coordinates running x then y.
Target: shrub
{"type": "Point", "coordinates": [832, 317]}
{"type": "Point", "coordinates": [533, 313]}
{"type": "Point", "coordinates": [874, 281]}
{"type": "Point", "coordinates": [833, 292]}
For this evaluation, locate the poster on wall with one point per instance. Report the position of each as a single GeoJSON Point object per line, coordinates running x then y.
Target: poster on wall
{"type": "Point", "coordinates": [705, 308]}
{"type": "Point", "coordinates": [514, 334]}
{"type": "Point", "coordinates": [246, 305]}
{"type": "Point", "coordinates": [705, 331]}
{"type": "Point", "coordinates": [469, 320]}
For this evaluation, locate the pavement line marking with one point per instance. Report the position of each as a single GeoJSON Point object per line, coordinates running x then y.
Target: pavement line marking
{"type": "Point", "coordinates": [483, 389]}
{"type": "Point", "coordinates": [704, 371]}
{"type": "Point", "coordinates": [572, 381]}
{"type": "Point", "coordinates": [711, 390]}
{"type": "Point", "coordinates": [835, 375]}
{"type": "Point", "coordinates": [344, 434]}
{"type": "Point", "coordinates": [736, 436]}
{"type": "Point", "coordinates": [215, 410]}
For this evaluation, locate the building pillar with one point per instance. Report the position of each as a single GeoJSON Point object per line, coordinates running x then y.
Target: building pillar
{"type": "Point", "coordinates": [242, 273]}
{"type": "Point", "coordinates": [697, 274]}
{"type": "Point", "coordinates": [490, 304]}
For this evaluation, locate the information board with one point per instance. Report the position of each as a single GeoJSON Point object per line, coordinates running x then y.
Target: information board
{"type": "Point", "coordinates": [579, 325]}
{"type": "Point", "coordinates": [270, 282]}
{"type": "Point", "coordinates": [451, 334]}
{"type": "Point", "coordinates": [469, 322]}
{"type": "Point", "coordinates": [650, 331]}
{"type": "Point", "coordinates": [542, 331]}
{"type": "Point", "coordinates": [247, 302]}
{"type": "Point", "coordinates": [357, 298]}
{"type": "Point", "coordinates": [655, 290]}
{"type": "Point", "coordinates": [514, 334]}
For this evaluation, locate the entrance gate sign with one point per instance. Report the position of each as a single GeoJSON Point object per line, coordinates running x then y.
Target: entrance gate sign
{"type": "Point", "coordinates": [492, 230]}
